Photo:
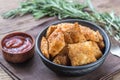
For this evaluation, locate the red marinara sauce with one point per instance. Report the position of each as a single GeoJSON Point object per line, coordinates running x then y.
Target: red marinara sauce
{"type": "Point", "coordinates": [17, 44]}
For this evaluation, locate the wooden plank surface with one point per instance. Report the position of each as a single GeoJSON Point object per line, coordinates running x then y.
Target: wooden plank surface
{"type": "Point", "coordinates": [27, 22]}
{"type": "Point", "coordinates": [3, 75]}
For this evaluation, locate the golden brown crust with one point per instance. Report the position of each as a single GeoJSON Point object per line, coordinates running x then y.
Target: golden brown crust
{"type": "Point", "coordinates": [76, 34]}
{"type": "Point", "coordinates": [56, 42]}
{"type": "Point", "coordinates": [44, 47]}
{"type": "Point", "coordinates": [83, 53]}
{"type": "Point", "coordinates": [101, 45]}
{"type": "Point", "coordinates": [99, 36]}
{"type": "Point", "coordinates": [72, 44]}
{"type": "Point", "coordinates": [50, 30]}
{"type": "Point", "coordinates": [72, 33]}
{"type": "Point", "coordinates": [62, 58]}
{"type": "Point", "coordinates": [95, 49]}
{"type": "Point", "coordinates": [91, 34]}
{"type": "Point", "coordinates": [66, 28]}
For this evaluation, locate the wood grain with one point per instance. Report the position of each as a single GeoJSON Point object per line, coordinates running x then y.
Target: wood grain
{"type": "Point", "coordinates": [3, 75]}
{"type": "Point", "coordinates": [27, 22]}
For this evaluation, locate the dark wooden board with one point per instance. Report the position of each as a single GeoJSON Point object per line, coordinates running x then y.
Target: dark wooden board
{"type": "Point", "coordinates": [112, 76]}
{"type": "Point", "coordinates": [34, 69]}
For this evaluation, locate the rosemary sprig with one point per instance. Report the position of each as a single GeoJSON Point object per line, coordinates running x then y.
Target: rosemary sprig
{"type": "Point", "coordinates": [64, 9]}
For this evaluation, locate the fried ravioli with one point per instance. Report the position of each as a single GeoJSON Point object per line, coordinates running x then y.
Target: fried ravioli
{"type": "Point", "coordinates": [62, 58]}
{"type": "Point", "coordinates": [44, 47]}
{"type": "Point", "coordinates": [56, 42]}
{"type": "Point", "coordinates": [91, 34]}
{"type": "Point", "coordinates": [66, 28]}
{"type": "Point", "coordinates": [94, 48]}
{"type": "Point", "coordinates": [72, 33]}
{"type": "Point", "coordinates": [50, 30]}
{"type": "Point", "coordinates": [101, 45]}
{"type": "Point", "coordinates": [76, 34]}
{"type": "Point", "coordinates": [83, 53]}
{"type": "Point", "coordinates": [72, 44]}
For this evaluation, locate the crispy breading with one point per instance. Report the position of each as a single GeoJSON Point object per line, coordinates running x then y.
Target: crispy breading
{"type": "Point", "coordinates": [66, 28]}
{"type": "Point", "coordinates": [62, 57]}
{"type": "Point", "coordinates": [68, 38]}
{"type": "Point", "coordinates": [99, 36]}
{"type": "Point", "coordinates": [83, 53]}
{"type": "Point", "coordinates": [72, 44]}
{"type": "Point", "coordinates": [91, 34]}
{"type": "Point", "coordinates": [50, 30]}
{"type": "Point", "coordinates": [101, 45]}
{"type": "Point", "coordinates": [44, 47]}
{"type": "Point", "coordinates": [56, 42]}
{"type": "Point", "coordinates": [94, 48]}
{"type": "Point", "coordinates": [76, 34]}
{"type": "Point", "coordinates": [72, 33]}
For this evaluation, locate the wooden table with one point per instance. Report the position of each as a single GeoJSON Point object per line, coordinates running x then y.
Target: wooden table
{"type": "Point", "coordinates": [27, 22]}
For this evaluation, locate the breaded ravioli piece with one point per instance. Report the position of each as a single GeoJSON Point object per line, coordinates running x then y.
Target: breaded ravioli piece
{"type": "Point", "coordinates": [101, 45]}
{"type": "Point", "coordinates": [99, 36]}
{"type": "Point", "coordinates": [56, 42]}
{"type": "Point", "coordinates": [44, 47]}
{"type": "Point", "coordinates": [68, 38]}
{"type": "Point", "coordinates": [72, 33]}
{"type": "Point", "coordinates": [76, 34]}
{"type": "Point", "coordinates": [62, 58]}
{"type": "Point", "coordinates": [93, 48]}
{"type": "Point", "coordinates": [78, 56]}
{"type": "Point", "coordinates": [66, 28]}
{"type": "Point", "coordinates": [91, 34]}
{"type": "Point", "coordinates": [83, 53]}
{"type": "Point", "coordinates": [50, 30]}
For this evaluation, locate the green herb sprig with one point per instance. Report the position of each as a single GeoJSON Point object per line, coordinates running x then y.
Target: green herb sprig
{"type": "Point", "coordinates": [64, 9]}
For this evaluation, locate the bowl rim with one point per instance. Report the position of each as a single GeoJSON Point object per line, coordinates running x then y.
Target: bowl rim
{"type": "Point", "coordinates": [74, 67]}
{"type": "Point", "coordinates": [15, 34]}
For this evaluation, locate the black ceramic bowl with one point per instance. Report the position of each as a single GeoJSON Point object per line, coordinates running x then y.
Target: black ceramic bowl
{"type": "Point", "coordinates": [74, 70]}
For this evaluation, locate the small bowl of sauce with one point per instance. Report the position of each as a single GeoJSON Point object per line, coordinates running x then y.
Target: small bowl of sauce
{"type": "Point", "coordinates": [17, 47]}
